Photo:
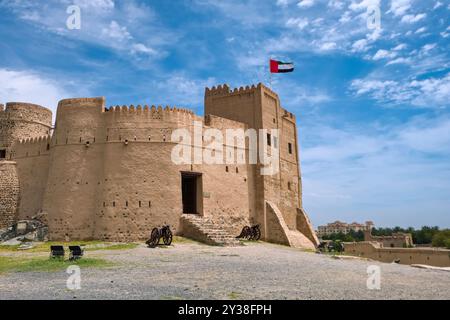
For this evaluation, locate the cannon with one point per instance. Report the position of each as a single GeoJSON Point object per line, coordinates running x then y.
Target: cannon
{"type": "Point", "coordinates": [157, 234]}
{"type": "Point", "coordinates": [250, 233]}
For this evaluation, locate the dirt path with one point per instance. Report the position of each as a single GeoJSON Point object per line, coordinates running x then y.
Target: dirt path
{"type": "Point", "coordinates": [255, 271]}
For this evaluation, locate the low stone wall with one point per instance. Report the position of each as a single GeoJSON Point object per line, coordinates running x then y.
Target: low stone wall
{"type": "Point", "coordinates": [373, 250]}
{"type": "Point", "coordinates": [9, 193]}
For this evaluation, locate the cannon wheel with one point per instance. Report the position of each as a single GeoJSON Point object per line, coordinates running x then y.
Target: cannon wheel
{"type": "Point", "coordinates": [154, 238]}
{"type": "Point", "coordinates": [247, 233]}
{"type": "Point", "coordinates": [167, 237]}
{"type": "Point", "coordinates": [256, 233]}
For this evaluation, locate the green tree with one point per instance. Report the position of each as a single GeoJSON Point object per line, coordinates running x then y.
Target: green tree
{"type": "Point", "coordinates": [442, 239]}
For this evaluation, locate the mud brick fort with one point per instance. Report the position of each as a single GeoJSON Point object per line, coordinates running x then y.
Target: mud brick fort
{"type": "Point", "coordinates": [107, 174]}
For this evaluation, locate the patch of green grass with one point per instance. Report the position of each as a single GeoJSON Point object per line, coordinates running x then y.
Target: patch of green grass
{"type": "Point", "coordinates": [234, 295]}
{"type": "Point", "coordinates": [171, 298]}
{"type": "Point", "coordinates": [8, 264]}
{"type": "Point", "coordinates": [91, 246]}
{"type": "Point", "coordinates": [117, 246]}
{"type": "Point", "coordinates": [4, 248]}
{"type": "Point", "coordinates": [179, 240]}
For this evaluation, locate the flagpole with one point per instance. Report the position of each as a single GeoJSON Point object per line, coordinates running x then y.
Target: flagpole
{"type": "Point", "coordinates": [270, 75]}
{"type": "Point", "coordinates": [270, 79]}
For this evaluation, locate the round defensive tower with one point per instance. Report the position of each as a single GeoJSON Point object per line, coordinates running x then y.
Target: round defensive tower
{"type": "Point", "coordinates": [9, 193]}
{"type": "Point", "coordinates": [76, 169]}
{"type": "Point", "coordinates": [141, 187]}
{"type": "Point", "coordinates": [22, 121]}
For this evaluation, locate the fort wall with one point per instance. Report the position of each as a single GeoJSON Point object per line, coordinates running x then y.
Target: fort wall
{"type": "Point", "coordinates": [75, 170]}
{"type": "Point", "coordinates": [425, 256]}
{"type": "Point", "coordinates": [107, 173]}
{"type": "Point", "coordinates": [117, 163]}
{"type": "Point", "coordinates": [226, 188]}
{"type": "Point", "coordinates": [259, 108]}
{"type": "Point", "coordinates": [9, 193]}
{"type": "Point", "coordinates": [32, 158]}
{"type": "Point", "coordinates": [21, 121]}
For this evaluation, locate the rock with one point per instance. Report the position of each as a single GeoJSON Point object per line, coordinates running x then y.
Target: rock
{"type": "Point", "coordinates": [26, 246]}
{"type": "Point", "coordinates": [12, 242]}
{"type": "Point", "coordinates": [30, 230]}
{"type": "Point", "coordinates": [41, 217]}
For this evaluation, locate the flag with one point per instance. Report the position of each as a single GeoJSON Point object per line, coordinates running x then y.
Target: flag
{"type": "Point", "coordinates": [281, 67]}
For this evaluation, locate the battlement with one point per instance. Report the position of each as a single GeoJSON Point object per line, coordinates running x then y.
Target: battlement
{"type": "Point", "coordinates": [82, 102]}
{"type": "Point", "coordinates": [37, 140]}
{"type": "Point", "coordinates": [147, 109]}
{"type": "Point", "coordinates": [224, 90]}
{"type": "Point", "coordinates": [287, 114]}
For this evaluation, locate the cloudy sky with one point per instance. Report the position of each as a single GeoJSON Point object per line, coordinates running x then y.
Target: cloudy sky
{"type": "Point", "coordinates": [372, 103]}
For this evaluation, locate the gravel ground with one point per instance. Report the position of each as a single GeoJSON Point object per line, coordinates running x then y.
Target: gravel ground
{"type": "Point", "coordinates": [254, 271]}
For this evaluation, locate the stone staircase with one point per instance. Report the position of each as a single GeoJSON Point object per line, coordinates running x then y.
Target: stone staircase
{"type": "Point", "coordinates": [205, 230]}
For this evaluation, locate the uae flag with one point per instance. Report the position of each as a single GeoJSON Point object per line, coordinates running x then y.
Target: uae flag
{"type": "Point", "coordinates": [281, 67]}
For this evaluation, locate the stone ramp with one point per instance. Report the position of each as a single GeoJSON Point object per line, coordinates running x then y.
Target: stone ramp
{"type": "Point", "coordinates": [205, 230]}
{"type": "Point", "coordinates": [299, 240]}
{"type": "Point", "coordinates": [280, 232]}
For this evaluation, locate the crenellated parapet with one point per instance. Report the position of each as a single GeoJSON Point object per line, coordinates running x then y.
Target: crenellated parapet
{"type": "Point", "coordinates": [142, 114]}
{"type": "Point", "coordinates": [223, 90]}
{"type": "Point", "coordinates": [31, 147]}
{"type": "Point", "coordinates": [37, 140]}
{"type": "Point", "coordinates": [146, 109]}
{"type": "Point", "coordinates": [288, 115]}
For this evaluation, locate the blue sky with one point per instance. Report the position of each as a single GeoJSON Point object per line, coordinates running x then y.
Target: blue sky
{"type": "Point", "coordinates": [372, 104]}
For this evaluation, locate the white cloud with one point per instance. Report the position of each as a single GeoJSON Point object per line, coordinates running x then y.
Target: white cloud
{"type": "Point", "coordinates": [399, 61]}
{"type": "Point", "coordinates": [282, 3]}
{"type": "Point", "coordinates": [364, 5]}
{"type": "Point", "coordinates": [26, 86]}
{"type": "Point", "coordinates": [141, 48]}
{"type": "Point", "coordinates": [437, 5]}
{"type": "Point", "coordinates": [428, 47]}
{"type": "Point", "coordinates": [427, 93]}
{"type": "Point", "coordinates": [410, 18]}
{"type": "Point", "coordinates": [377, 87]}
{"type": "Point", "coordinates": [95, 4]}
{"type": "Point", "coordinates": [180, 90]}
{"type": "Point", "coordinates": [346, 17]}
{"type": "Point", "coordinates": [433, 92]}
{"type": "Point", "coordinates": [351, 167]}
{"type": "Point", "coordinates": [116, 31]}
{"type": "Point", "coordinates": [335, 4]}
{"type": "Point", "coordinates": [384, 54]}
{"type": "Point", "coordinates": [327, 46]}
{"type": "Point", "coordinates": [399, 7]}
{"type": "Point", "coordinates": [305, 3]}
{"type": "Point", "coordinates": [299, 23]}
{"type": "Point", "coordinates": [400, 47]}
{"type": "Point", "coordinates": [300, 95]}
{"type": "Point", "coordinates": [421, 30]}
{"type": "Point", "coordinates": [360, 45]}
{"type": "Point", "coordinates": [431, 136]}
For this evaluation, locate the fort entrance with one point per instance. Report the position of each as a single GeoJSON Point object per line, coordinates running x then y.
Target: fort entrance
{"type": "Point", "coordinates": [191, 188]}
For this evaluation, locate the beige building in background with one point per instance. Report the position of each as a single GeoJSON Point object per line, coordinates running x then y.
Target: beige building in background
{"type": "Point", "coordinates": [396, 240]}
{"type": "Point", "coordinates": [106, 173]}
{"type": "Point", "coordinates": [342, 227]}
